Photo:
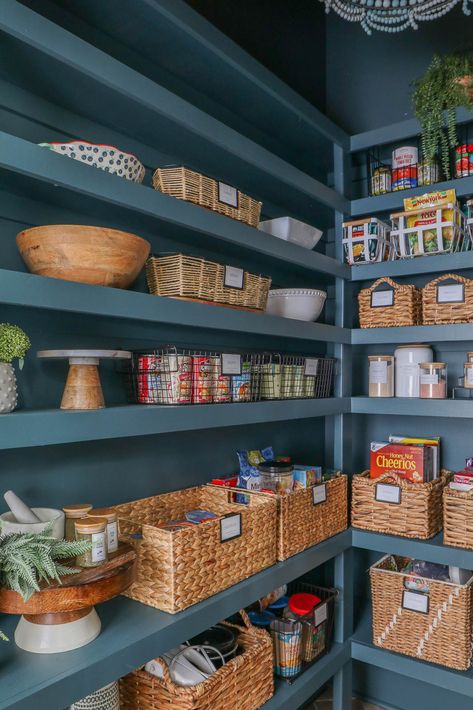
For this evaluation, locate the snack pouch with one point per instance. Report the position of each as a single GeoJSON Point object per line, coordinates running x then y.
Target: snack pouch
{"type": "Point", "coordinates": [424, 209]}
{"type": "Point", "coordinates": [249, 477]}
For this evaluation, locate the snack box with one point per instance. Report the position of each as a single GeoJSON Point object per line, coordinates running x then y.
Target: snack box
{"type": "Point", "coordinates": [412, 462]}
{"type": "Point", "coordinates": [463, 477]}
{"type": "Point", "coordinates": [306, 476]}
{"type": "Point", "coordinates": [434, 442]}
{"type": "Point", "coordinates": [429, 200]}
{"type": "Point", "coordinates": [228, 481]}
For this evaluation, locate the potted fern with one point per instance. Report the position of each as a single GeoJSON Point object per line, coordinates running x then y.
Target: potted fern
{"type": "Point", "coordinates": [14, 343]}
{"type": "Point", "coordinates": [26, 559]}
{"type": "Point", "coordinates": [446, 86]}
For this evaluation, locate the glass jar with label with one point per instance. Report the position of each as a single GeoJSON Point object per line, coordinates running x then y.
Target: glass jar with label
{"type": "Point", "coordinates": [433, 380]}
{"type": "Point", "coordinates": [468, 370]}
{"type": "Point", "coordinates": [470, 356]}
{"type": "Point", "coordinates": [74, 512]}
{"type": "Point", "coordinates": [407, 375]}
{"type": "Point", "coordinates": [92, 530]}
{"type": "Point", "coordinates": [276, 476]}
{"type": "Point", "coordinates": [110, 516]}
{"type": "Point", "coordinates": [381, 375]}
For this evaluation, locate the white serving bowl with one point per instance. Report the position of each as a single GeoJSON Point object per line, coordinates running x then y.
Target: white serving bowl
{"type": "Point", "coordinates": [106, 157]}
{"type": "Point", "coordinates": [46, 515]}
{"type": "Point", "coordinates": [292, 230]}
{"type": "Point", "coordinates": [298, 303]}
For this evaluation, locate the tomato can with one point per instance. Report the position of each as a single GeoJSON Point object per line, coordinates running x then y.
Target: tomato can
{"type": "Point", "coordinates": [203, 382]}
{"type": "Point", "coordinates": [464, 160]}
{"type": "Point", "coordinates": [222, 383]}
{"type": "Point", "coordinates": [148, 379]}
{"type": "Point", "coordinates": [176, 379]}
{"type": "Point", "coordinates": [404, 178]}
{"type": "Point", "coordinates": [405, 156]}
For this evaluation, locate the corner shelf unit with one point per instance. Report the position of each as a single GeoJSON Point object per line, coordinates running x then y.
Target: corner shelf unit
{"type": "Point", "coordinates": [166, 118]}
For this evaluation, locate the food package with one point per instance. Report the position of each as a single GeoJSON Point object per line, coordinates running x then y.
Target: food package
{"type": "Point", "coordinates": [433, 442]}
{"type": "Point", "coordinates": [413, 463]}
{"type": "Point", "coordinates": [424, 213]}
{"type": "Point", "coordinates": [249, 477]}
{"type": "Point", "coordinates": [306, 476]}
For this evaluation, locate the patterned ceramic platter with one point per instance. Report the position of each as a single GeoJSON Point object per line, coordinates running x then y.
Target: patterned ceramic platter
{"type": "Point", "coordinates": [105, 157]}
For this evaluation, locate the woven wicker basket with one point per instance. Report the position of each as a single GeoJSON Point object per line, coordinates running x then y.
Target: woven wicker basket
{"type": "Point", "coordinates": [406, 308]}
{"type": "Point", "coordinates": [189, 185]}
{"type": "Point", "coordinates": [418, 515]}
{"type": "Point", "coordinates": [244, 683]}
{"type": "Point", "coordinates": [301, 523]}
{"type": "Point", "coordinates": [181, 276]}
{"type": "Point", "coordinates": [458, 518]}
{"type": "Point", "coordinates": [180, 568]}
{"type": "Point", "coordinates": [434, 312]}
{"type": "Point", "coordinates": [442, 635]}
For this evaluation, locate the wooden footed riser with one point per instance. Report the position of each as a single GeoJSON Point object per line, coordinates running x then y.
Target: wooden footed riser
{"type": "Point", "coordinates": [83, 388]}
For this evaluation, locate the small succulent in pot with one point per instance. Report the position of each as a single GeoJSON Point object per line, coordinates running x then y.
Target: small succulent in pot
{"type": "Point", "coordinates": [14, 344]}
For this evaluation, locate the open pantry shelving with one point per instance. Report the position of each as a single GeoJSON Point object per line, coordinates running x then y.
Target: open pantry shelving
{"type": "Point", "coordinates": [164, 118]}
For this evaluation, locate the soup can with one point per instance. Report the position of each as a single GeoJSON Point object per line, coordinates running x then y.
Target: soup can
{"type": "Point", "coordinates": [148, 379]}
{"type": "Point", "coordinates": [406, 155]}
{"type": "Point", "coordinates": [222, 383]}
{"type": "Point", "coordinates": [177, 379]}
{"type": "Point", "coordinates": [203, 381]}
{"type": "Point", "coordinates": [464, 160]}
{"type": "Point", "coordinates": [404, 178]}
{"type": "Point", "coordinates": [241, 384]}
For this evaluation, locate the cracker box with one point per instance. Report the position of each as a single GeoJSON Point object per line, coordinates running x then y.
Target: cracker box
{"type": "Point", "coordinates": [413, 463]}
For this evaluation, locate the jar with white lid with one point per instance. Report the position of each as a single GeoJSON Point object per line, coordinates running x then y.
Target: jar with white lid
{"type": "Point", "coordinates": [470, 356]}
{"type": "Point", "coordinates": [468, 371]}
{"type": "Point", "coordinates": [407, 370]}
{"type": "Point", "coordinates": [381, 375]}
{"type": "Point", "coordinates": [433, 380]}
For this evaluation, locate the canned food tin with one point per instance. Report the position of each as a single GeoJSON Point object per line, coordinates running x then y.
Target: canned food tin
{"type": "Point", "coordinates": [405, 156]}
{"type": "Point", "coordinates": [271, 381]}
{"type": "Point", "coordinates": [404, 178]}
{"type": "Point", "coordinates": [464, 160]}
{"type": "Point", "coordinates": [241, 384]}
{"type": "Point", "coordinates": [148, 379]}
{"type": "Point", "coordinates": [287, 381]}
{"type": "Point", "coordinates": [203, 382]}
{"type": "Point", "coordinates": [176, 378]}
{"type": "Point", "coordinates": [428, 172]}
{"type": "Point", "coordinates": [222, 383]}
{"type": "Point", "coordinates": [381, 180]}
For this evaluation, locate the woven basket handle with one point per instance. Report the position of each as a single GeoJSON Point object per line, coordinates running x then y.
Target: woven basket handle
{"type": "Point", "coordinates": [395, 476]}
{"type": "Point", "coordinates": [384, 280]}
{"type": "Point", "coordinates": [448, 277]}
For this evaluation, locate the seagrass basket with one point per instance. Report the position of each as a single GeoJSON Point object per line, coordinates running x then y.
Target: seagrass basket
{"type": "Point", "coordinates": [244, 683]}
{"type": "Point", "coordinates": [303, 522]}
{"type": "Point", "coordinates": [458, 518]}
{"type": "Point", "coordinates": [439, 630]}
{"type": "Point", "coordinates": [404, 307]}
{"type": "Point", "coordinates": [180, 567]}
{"type": "Point", "coordinates": [194, 278]}
{"type": "Point", "coordinates": [448, 312]}
{"type": "Point", "coordinates": [417, 515]}
{"type": "Point", "coordinates": [189, 185]}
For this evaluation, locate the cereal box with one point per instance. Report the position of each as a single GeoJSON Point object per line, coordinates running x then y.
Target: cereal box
{"type": "Point", "coordinates": [413, 463]}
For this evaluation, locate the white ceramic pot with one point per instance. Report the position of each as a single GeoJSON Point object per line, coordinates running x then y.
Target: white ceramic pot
{"type": "Point", "coordinates": [58, 638]}
{"type": "Point", "coordinates": [298, 303]}
{"type": "Point", "coordinates": [46, 516]}
{"type": "Point", "coordinates": [8, 393]}
{"type": "Point", "coordinates": [407, 368]}
{"type": "Point", "coordinates": [292, 230]}
{"type": "Point", "coordinates": [106, 698]}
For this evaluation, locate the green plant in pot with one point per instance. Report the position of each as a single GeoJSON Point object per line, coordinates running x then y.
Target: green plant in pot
{"type": "Point", "coordinates": [14, 343]}
{"type": "Point", "coordinates": [446, 86]}
{"type": "Point", "coordinates": [26, 559]}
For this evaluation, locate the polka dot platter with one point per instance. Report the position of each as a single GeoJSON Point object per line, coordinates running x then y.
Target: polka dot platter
{"type": "Point", "coordinates": [105, 157]}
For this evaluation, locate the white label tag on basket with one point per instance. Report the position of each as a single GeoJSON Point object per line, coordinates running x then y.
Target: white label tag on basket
{"type": "Point", "coordinates": [227, 194]}
{"type": "Point", "coordinates": [386, 493]}
{"type": "Point", "coordinates": [319, 494]}
{"type": "Point", "coordinates": [230, 527]}
{"type": "Point", "coordinates": [451, 293]}
{"type": "Point", "coordinates": [231, 364]}
{"type": "Point", "coordinates": [415, 601]}
{"type": "Point", "coordinates": [311, 366]}
{"type": "Point", "coordinates": [382, 298]}
{"type": "Point", "coordinates": [320, 614]}
{"type": "Point", "coordinates": [233, 277]}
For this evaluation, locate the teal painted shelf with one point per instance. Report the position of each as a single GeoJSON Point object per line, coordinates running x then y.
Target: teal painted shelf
{"type": "Point", "coordinates": [450, 408]}
{"type": "Point", "coordinates": [132, 633]}
{"type": "Point", "coordinates": [134, 104]}
{"type": "Point", "coordinates": [54, 426]}
{"type": "Point", "coordinates": [411, 267]}
{"type": "Point", "coordinates": [458, 332]}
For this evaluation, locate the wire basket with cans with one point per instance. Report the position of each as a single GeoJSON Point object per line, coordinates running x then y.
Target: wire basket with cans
{"type": "Point", "coordinates": [295, 377]}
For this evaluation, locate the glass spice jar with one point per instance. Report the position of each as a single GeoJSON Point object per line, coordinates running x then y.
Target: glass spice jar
{"type": "Point", "coordinates": [110, 516]}
{"type": "Point", "coordinates": [74, 512]}
{"type": "Point", "coordinates": [468, 372]}
{"type": "Point", "coordinates": [381, 375]}
{"type": "Point", "coordinates": [433, 380]}
{"type": "Point", "coordinates": [92, 530]}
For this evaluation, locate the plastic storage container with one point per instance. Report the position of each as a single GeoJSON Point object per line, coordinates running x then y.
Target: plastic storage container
{"type": "Point", "coordinates": [381, 375]}
{"type": "Point", "coordinates": [276, 476]}
{"type": "Point", "coordinates": [433, 380]}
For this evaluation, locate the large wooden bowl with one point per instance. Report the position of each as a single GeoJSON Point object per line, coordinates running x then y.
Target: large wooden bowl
{"type": "Point", "coordinates": [91, 255]}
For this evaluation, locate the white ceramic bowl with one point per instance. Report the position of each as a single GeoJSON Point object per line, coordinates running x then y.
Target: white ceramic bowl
{"type": "Point", "coordinates": [298, 303]}
{"type": "Point", "coordinates": [106, 157]}
{"type": "Point", "coordinates": [46, 515]}
{"type": "Point", "coordinates": [292, 230]}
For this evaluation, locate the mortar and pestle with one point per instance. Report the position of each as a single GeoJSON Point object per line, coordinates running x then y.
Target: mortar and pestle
{"type": "Point", "coordinates": [22, 519]}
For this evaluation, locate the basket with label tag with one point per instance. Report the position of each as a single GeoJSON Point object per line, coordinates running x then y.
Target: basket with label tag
{"type": "Point", "coordinates": [448, 299]}
{"type": "Point", "coordinates": [197, 279]}
{"type": "Point", "coordinates": [387, 303]}
{"type": "Point", "coordinates": [189, 185]}
{"type": "Point", "coordinates": [429, 619]}
{"type": "Point", "coordinates": [392, 505]}
{"type": "Point", "coordinates": [196, 542]}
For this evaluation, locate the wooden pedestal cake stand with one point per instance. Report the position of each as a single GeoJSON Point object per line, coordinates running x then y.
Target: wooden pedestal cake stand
{"type": "Point", "coordinates": [62, 617]}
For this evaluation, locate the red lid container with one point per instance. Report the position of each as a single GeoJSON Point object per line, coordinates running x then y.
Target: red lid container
{"type": "Point", "coordinates": [302, 604]}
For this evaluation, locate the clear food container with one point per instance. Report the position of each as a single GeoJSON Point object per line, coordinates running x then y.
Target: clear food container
{"type": "Point", "coordinates": [433, 380]}
{"type": "Point", "coordinates": [276, 476]}
{"type": "Point", "coordinates": [381, 375]}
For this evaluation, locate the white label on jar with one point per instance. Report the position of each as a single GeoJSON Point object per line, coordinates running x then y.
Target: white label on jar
{"type": "Point", "coordinates": [112, 536]}
{"type": "Point", "coordinates": [453, 293]}
{"type": "Point", "coordinates": [469, 376]}
{"type": "Point", "coordinates": [311, 366]}
{"type": "Point", "coordinates": [319, 494]}
{"type": "Point", "coordinates": [230, 527]}
{"type": "Point", "coordinates": [429, 379]}
{"type": "Point", "coordinates": [98, 547]}
{"type": "Point", "coordinates": [382, 298]}
{"type": "Point", "coordinates": [415, 601]}
{"type": "Point", "coordinates": [233, 277]}
{"type": "Point", "coordinates": [227, 194]}
{"type": "Point", "coordinates": [320, 614]}
{"type": "Point", "coordinates": [379, 373]}
{"type": "Point", "coordinates": [386, 493]}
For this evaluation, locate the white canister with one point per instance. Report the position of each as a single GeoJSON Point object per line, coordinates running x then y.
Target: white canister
{"type": "Point", "coordinates": [408, 359]}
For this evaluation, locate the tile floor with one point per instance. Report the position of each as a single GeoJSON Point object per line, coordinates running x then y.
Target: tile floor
{"type": "Point", "coordinates": [324, 702]}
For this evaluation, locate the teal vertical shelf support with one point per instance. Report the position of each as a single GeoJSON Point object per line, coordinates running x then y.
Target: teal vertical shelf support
{"type": "Point", "coordinates": [342, 687]}
{"type": "Point", "coordinates": [343, 577]}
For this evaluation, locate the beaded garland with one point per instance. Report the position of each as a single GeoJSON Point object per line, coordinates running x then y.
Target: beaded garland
{"type": "Point", "coordinates": [392, 15]}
